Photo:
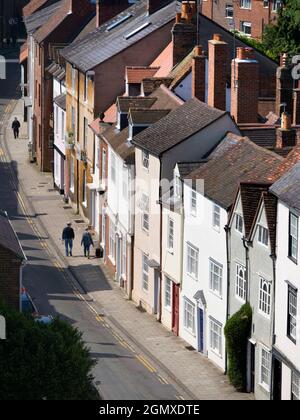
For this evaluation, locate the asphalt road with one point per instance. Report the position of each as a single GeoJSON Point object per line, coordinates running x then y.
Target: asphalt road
{"type": "Point", "coordinates": [121, 371]}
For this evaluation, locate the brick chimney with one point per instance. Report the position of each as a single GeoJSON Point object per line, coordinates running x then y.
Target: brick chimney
{"type": "Point", "coordinates": [218, 61]}
{"type": "Point", "coordinates": [296, 105]}
{"type": "Point", "coordinates": [284, 86]}
{"type": "Point", "coordinates": [107, 9]}
{"type": "Point", "coordinates": [285, 135]}
{"type": "Point", "coordinates": [184, 32]}
{"type": "Point", "coordinates": [198, 73]}
{"type": "Point", "coordinates": [244, 86]}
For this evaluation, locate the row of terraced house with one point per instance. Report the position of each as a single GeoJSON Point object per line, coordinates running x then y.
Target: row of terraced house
{"type": "Point", "coordinates": [169, 136]}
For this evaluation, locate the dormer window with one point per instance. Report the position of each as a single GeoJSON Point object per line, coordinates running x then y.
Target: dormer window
{"type": "Point", "coordinates": [239, 223]}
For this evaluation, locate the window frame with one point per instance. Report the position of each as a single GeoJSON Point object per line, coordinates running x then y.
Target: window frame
{"type": "Point", "coordinates": [246, 24]}
{"type": "Point", "coordinates": [112, 241]}
{"type": "Point", "coordinates": [145, 201]}
{"type": "Point", "coordinates": [168, 293]}
{"type": "Point", "coordinates": [268, 369]}
{"type": "Point", "coordinates": [238, 280]}
{"type": "Point", "coordinates": [239, 220]}
{"type": "Point", "coordinates": [190, 263]}
{"type": "Point", "coordinates": [292, 326]}
{"type": "Point", "coordinates": [193, 202]}
{"type": "Point", "coordinates": [216, 215]}
{"type": "Point", "coordinates": [171, 235]}
{"type": "Point", "coordinates": [263, 233]}
{"type": "Point", "coordinates": [145, 273]}
{"type": "Point", "coordinates": [145, 160]}
{"type": "Point", "coordinates": [246, 4]}
{"type": "Point", "coordinates": [295, 385]}
{"type": "Point", "coordinates": [292, 237]}
{"type": "Point", "coordinates": [229, 7]}
{"type": "Point", "coordinates": [219, 290]}
{"type": "Point", "coordinates": [265, 297]}
{"type": "Point", "coordinates": [113, 168]}
{"type": "Point", "coordinates": [189, 316]}
{"type": "Point", "coordinates": [215, 334]}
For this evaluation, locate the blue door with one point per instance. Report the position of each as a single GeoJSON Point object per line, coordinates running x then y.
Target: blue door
{"type": "Point", "coordinates": [201, 330]}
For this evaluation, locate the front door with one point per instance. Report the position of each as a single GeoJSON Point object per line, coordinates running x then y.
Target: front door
{"type": "Point", "coordinates": [201, 330]}
{"type": "Point", "coordinates": [175, 308]}
{"type": "Point", "coordinates": [277, 391]}
{"type": "Point", "coordinates": [119, 258]}
{"type": "Point", "coordinates": [252, 367]}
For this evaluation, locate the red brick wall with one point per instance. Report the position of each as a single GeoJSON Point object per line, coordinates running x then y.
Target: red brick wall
{"type": "Point", "coordinates": [10, 278]}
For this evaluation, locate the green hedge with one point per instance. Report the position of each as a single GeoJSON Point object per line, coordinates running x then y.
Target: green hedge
{"type": "Point", "coordinates": [237, 332]}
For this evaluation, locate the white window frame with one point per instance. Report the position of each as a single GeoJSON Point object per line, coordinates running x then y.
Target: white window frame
{"type": "Point", "coordinates": [265, 368]}
{"type": "Point", "coordinates": [113, 168]}
{"type": "Point", "coordinates": [239, 223]}
{"type": "Point", "coordinates": [177, 186]}
{"type": "Point", "coordinates": [193, 202]}
{"type": "Point", "coordinates": [264, 298]}
{"type": "Point", "coordinates": [192, 260]}
{"type": "Point", "coordinates": [189, 311]}
{"type": "Point", "coordinates": [168, 293]}
{"type": "Point", "coordinates": [145, 270]}
{"type": "Point", "coordinates": [295, 386]}
{"type": "Point", "coordinates": [216, 217]}
{"type": "Point", "coordinates": [124, 257]}
{"type": "Point", "coordinates": [241, 283]}
{"type": "Point", "coordinates": [263, 235]}
{"type": "Point", "coordinates": [216, 337]}
{"type": "Point", "coordinates": [292, 313]}
{"type": "Point", "coordinates": [72, 174]}
{"type": "Point", "coordinates": [171, 226]}
{"type": "Point", "coordinates": [229, 11]}
{"type": "Point", "coordinates": [84, 188]}
{"type": "Point", "coordinates": [246, 4]}
{"type": "Point", "coordinates": [244, 25]}
{"type": "Point", "coordinates": [277, 4]}
{"type": "Point", "coordinates": [145, 159]}
{"type": "Point", "coordinates": [293, 236]}
{"type": "Point", "coordinates": [103, 169]}
{"type": "Point", "coordinates": [145, 212]}
{"type": "Point", "coordinates": [266, 4]}
{"type": "Point", "coordinates": [215, 277]}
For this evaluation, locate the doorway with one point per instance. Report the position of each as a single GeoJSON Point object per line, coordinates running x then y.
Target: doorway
{"type": "Point", "coordinates": [200, 330]}
{"type": "Point", "coordinates": [277, 385]}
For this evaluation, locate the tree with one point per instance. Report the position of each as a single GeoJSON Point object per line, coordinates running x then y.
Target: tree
{"type": "Point", "coordinates": [40, 361]}
{"type": "Point", "coordinates": [283, 37]}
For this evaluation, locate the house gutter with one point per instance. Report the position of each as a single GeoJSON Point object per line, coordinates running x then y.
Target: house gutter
{"type": "Point", "coordinates": [160, 244]}
{"type": "Point", "coordinates": [227, 230]}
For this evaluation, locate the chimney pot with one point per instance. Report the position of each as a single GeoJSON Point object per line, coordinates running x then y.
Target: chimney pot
{"type": "Point", "coordinates": [198, 51]}
{"type": "Point", "coordinates": [188, 10]}
{"type": "Point", "coordinates": [217, 37]}
{"type": "Point", "coordinates": [178, 17]}
{"type": "Point", "coordinates": [286, 123]}
{"type": "Point", "coordinates": [245, 53]}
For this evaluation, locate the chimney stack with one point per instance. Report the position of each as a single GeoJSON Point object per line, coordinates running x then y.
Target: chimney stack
{"type": "Point", "coordinates": [245, 86]}
{"type": "Point", "coordinates": [107, 9]}
{"type": "Point", "coordinates": [198, 73]}
{"type": "Point", "coordinates": [184, 32]}
{"type": "Point", "coordinates": [218, 61]}
{"type": "Point", "coordinates": [285, 135]}
{"type": "Point", "coordinates": [284, 86]}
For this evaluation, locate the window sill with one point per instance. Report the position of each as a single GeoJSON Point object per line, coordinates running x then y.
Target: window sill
{"type": "Point", "coordinates": [192, 277]}
{"type": "Point", "coordinates": [216, 294]}
{"type": "Point", "coordinates": [190, 332]}
{"type": "Point", "coordinates": [240, 299]}
{"type": "Point", "coordinates": [84, 204]}
{"type": "Point", "coordinates": [293, 340]}
{"type": "Point", "coordinates": [168, 309]}
{"type": "Point", "coordinates": [216, 353]}
{"type": "Point", "coordinates": [171, 251]}
{"type": "Point", "coordinates": [265, 387]}
{"type": "Point", "coordinates": [112, 260]}
{"type": "Point", "coordinates": [293, 259]}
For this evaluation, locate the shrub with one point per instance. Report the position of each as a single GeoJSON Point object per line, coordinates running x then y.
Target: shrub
{"type": "Point", "coordinates": [237, 332]}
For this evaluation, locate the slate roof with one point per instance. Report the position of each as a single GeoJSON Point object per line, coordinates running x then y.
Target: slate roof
{"type": "Point", "coordinates": [124, 103]}
{"type": "Point", "coordinates": [102, 44]}
{"type": "Point", "coordinates": [8, 237]}
{"type": "Point", "coordinates": [35, 5]}
{"type": "Point", "coordinates": [262, 136]}
{"type": "Point", "coordinates": [39, 18]}
{"type": "Point", "coordinates": [186, 168]}
{"type": "Point", "coordinates": [270, 204]}
{"type": "Point", "coordinates": [243, 161]}
{"type": "Point", "coordinates": [140, 116]}
{"type": "Point", "coordinates": [177, 126]}
{"type": "Point", "coordinates": [165, 99]}
{"type": "Point", "coordinates": [61, 101]}
{"type": "Point", "coordinates": [287, 188]}
{"type": "Point", "coordinates": [250, 198]}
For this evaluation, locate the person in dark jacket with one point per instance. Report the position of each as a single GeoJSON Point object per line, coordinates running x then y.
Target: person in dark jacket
{"type": "Point", "coordinates": [87, 242]}
{"type": "Point", "coordinates": [68, 237]}
{"type": "Point", "coordinates": [16, 127]}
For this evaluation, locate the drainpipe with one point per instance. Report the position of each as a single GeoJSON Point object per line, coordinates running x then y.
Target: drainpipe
{"type": "Point", "coordinates": [227, 230]}
{"type": "Point", "coordinates": [160, 244]}
{"type": "Point", "coordinates": [273, 320]}
{"type": "Point", "coordinates": [78, 133]}
{"type": "Point", "coordinates": [246, 246]}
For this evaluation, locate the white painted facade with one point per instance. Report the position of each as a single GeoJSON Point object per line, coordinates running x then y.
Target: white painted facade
{"type": "Point", "coordinates": [119, 210]}
{"type": "Point", "coordinates": [286, 348]}
{"type": "Point", "coordinates": [209, 243]}
{"type": "Point", "coordinates": [59, 138]}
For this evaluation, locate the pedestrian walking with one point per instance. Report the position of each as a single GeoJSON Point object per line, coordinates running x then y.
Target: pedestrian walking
{"type": "Point", "coordinates": [16, 127]}
{"type": "Point", "coordinates": [68, 237]}
{"type": "Point", "coordinates": [87, 242]}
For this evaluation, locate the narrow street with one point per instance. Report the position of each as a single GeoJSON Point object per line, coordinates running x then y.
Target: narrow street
{"type": "Point", "coordinates": [122, 371]}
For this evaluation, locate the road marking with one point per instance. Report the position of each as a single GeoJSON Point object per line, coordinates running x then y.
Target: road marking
{"type": "Point", "coordinates": [162, 380]}
{"type": "Point", "coordinates": [145, 363]}
{"type": "Point", "coordinates": [180, 397]}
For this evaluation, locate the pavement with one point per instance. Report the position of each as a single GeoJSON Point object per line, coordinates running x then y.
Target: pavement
{"type": "Point", "coordinates": [137, 358]}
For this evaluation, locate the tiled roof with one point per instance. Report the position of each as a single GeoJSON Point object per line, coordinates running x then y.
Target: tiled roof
{"type": "Point", "coordinates": [287, 188]}
{"type": "Point", "coordinates": [61, 101]}
{"type": "Point", "coordinates": [165, 99]}
{"type": "Point", "coordinates": [243, 161]}
{"type": "Point", "coordinates": [104, 43]}
{"type": "Point", "coordinates": [262, 136]}
{"type": "Point", "coordinates": [137, 74]}
{"type": "Point", "coordinates": [164, 61]}
{"type": "Point", "coordinates": [124, 103]}
{"type": "Point", "coordinates": [270, 203]}
{"type": "Point", "coordinates": [180, 71]}
{"type": "Point", "coordinates": [39, 18]}
{"type": "Point", "coordinates": [250, 199]}
{"type": "Point", "coordinates": [8, 237]}
{"type": "Point", "coordinates": [177, 126]}
{"type": "Point", "coordinates": [35, 5]}
{"type": "Point", "coordinates": [186, 168]}
{"type": "Point", "coordinates": [144, 116]}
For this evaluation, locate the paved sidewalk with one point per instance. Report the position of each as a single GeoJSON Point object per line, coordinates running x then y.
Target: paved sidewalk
{"type": "Point", "coordinates": [195, 372]}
